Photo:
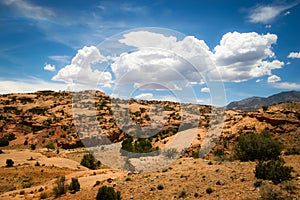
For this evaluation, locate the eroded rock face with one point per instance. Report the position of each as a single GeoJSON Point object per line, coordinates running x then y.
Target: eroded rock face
{"type": "Point", "coordinates": [144, 164]}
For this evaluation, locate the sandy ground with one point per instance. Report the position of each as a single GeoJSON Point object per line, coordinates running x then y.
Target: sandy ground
{"type": "Point", "coordinates": [24, 157]}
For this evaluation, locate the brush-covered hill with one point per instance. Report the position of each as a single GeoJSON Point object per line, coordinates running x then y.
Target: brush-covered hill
{"type": "Point", "coordinates": [64, 121]}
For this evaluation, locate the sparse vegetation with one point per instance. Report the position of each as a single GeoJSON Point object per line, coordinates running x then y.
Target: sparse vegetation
{"type": "Point", "coordinates": [108, 193]}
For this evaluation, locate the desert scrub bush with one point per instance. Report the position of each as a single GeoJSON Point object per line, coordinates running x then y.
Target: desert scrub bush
{"type": "Point", "coordinates": [4, 142]}
{"type": "Point", "coordinates": [50, 146]}
{"type": "Point", "coordinates": [209, 190]}
{"type": "Point", "coordinates": [219, 152]}
{"type": "Point", "coordinates": [108, 193]}
{"type": "Point", "coordinates": [170, 153]}
{"type": "Point", "coordinates": [160, 187]}
{"type": "Point", "coordinates": [289, 186]}
{"type": "Point", "coordinates": [265, 108]}
{"type": "Point", "coordinates": [61, 187]}
{"type": "Point", "coordinates": [273, 170]}
{"type": "Point", "coordinates": [43, 195]}
{"type": "Point", "coordinates": [90, 162]}
{"type": "Point", "coordinates": [9, 163]}
{"type": "Point", "coordinates": [269, 192]}
{"type": "Point", "coordinates": [75, 185]}
{"type": "Point", "coordinates": [11, 136]}
{"type": "Point", "coordinates": [252, 147]}
{"type": "Point", "coordinates": [292, 151]}
{"type": "Point", "coordinates": [131, 146]}
{"type": "Point", "coordinates": [32, 146]}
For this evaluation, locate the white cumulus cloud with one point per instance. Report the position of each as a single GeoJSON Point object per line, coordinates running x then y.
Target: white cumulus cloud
{"type": "Point", "coordinates": [81, 69]}
{"type": "Point", "coordinates": [161, 62]}
{"type": "Point", "coordinates": [205, 89]}
{"type": "Point", "coordinates": [49, 67]}
{"type": "Point", "coordinates": [243, 56]}
{"type": "Point", "coordinates": [294, 55]}
{"type": "Point", "coordinates": [273, 79]}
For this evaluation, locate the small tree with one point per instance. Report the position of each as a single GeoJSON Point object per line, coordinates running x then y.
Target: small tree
{"type": "Point", "coordinates": [9, 163]}
{"type": "Point", "coordinates": [90, 162]}
{"type": "Point", "coordinates": [75, 186]}
{"type": "Point", "coordinates": [108, 193]}
{"type": "Point", "coordinates": [60, 187]}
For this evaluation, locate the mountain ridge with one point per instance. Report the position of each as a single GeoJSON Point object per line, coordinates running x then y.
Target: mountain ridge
{"type": "Point", "coordinates": [255, 102]}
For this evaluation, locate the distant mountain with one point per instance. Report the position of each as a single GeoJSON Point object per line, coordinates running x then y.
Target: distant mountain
{"type": "Point", "coordinates": [254, 103]}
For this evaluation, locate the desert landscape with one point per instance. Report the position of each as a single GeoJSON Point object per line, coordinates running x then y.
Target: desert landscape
{"type": "Point", "coordinates": [47, 135]}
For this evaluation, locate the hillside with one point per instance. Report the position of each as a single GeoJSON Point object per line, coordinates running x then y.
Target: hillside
{"type": "Point", "coordinates": [71, 123]}
{"type": "Point", "coordinates": [254, 103]}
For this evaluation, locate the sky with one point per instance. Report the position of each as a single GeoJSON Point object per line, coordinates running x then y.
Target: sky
{"type": "Point", "coordinates": [207, 52]}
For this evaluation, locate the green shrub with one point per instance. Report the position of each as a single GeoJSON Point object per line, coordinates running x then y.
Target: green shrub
{"type": "Point", "coordinates": [292, 151]}
{"type": "Point", "coordinates": [273, 170]}
{"type": "Point", "coordinates": [128, 179]}
{"type": "Point", "coordinates": [252, 147]}
{"type": "Point", "coordinates": [9, 163]}
{"type": "Point", "coordinates": [90, 162]}
{"type": "Point", "coordinates": [108, 193]}
{"type": "Point", "coordinates": [11, 137]}
{"type": "Point", "coordinates": [265, 108]}
{"type": "Point", "coordinates": [74, 186]}
{"type": "Point", "coordinates": [4, 142]}
{"type": "Point", "coordinates": [43, 195]}
{"type": "Point", "coordinates": [209, 190]}
{"type": "Point", "coordinates": [219, 152]}
{"type": "Point", "coordinates": [50, 146]}
{"type": "Point", "coordinates": [32, 146]}
{"type": "Point", "coordinates": [60, 187]}
{"type": "Point", "coordinates": [195, 154]}
{"type": "Point", "coordinates": [160, 187]}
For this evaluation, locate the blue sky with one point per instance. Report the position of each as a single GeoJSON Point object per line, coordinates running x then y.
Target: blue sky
{"type": "Point", "coordinates": [247, 48]}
